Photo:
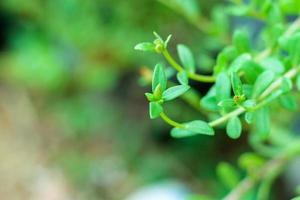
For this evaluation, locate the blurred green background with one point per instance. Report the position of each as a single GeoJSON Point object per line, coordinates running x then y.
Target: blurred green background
{"type": "Point", "coordinates": [73, 118]}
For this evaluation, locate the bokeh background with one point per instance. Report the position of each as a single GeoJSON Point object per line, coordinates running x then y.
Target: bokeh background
{"type": "Point", "coordinates": [73, 117]}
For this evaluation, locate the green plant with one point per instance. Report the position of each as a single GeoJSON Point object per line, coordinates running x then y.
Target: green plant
{"type": "Point", "coordinates": [251, 80]}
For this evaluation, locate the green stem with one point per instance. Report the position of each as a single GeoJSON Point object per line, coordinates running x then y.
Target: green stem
{"type": "Point", "coordinates": [170, 121]}
{"type": "Point", "coordinates": [196, 77]}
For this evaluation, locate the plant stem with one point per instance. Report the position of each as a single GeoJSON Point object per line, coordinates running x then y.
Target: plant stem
{"type": "Point", "coordinates": [274, 165]}
{"type": "Point", "coordinates": [196, 77]}
{"type": "Point", "coordinates": [226, 117]}
{"type": "Point", "coordinates": [170, 121]}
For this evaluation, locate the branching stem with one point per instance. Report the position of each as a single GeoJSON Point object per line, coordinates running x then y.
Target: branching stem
{"type": "Point", "coordinates": [179, 68]}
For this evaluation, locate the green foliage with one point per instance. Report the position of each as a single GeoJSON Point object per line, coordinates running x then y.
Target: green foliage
{"type": "Point", "coordinates": [234, 128]}
{"type": "Point", "coordinates": [261, 72]}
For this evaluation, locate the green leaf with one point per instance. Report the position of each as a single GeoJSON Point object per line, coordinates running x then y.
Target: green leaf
{"type": "Point", "coordinates": [241, 41]}
{"type": "Point", "coordinates": [227, 103]}
{"type": "Point", "coordinates": [273, 64]}
{"type": "Point", "coordinates": [159, 77]}
{"type": "Point", "coordinates": [238, 63]}
{"type": "Point", "coordinates": [155, 109]}
{"type": "Point", "coordinates": [186, 58]}
{"type": "Point", "coordinates": [289, 102]}
{"type": "Point", "coordinates": [209, 101]}
{"type": "Point", "coordinates": [174, 92]}
{"type": "Point", "coordinates": [157, 94]}
{"type": "Point", "coordinates": [192, 128]}
{"type": "Point", "coordinates": [234, 128]}
{"type": "Point", "coordinates": [286, 85]}
{"type": "Point", "coordinates": [223, 87]}
{"type": "Point", "coordinates": [236, 84]}
{"type": "Point", "coordinates": [181, 133]}
{"type": "Point", "coordinates": [200, 127]}
{"type": "Point", "coordinates": [150, 96]}
{"type": "Point", "coordinates": [247, 90]}
{"type": "Point", "coordinates": [183, 78]}
{"type": "Point", "coordinates": [250, 71]}
{"type": "Point", "coordinates": [291, 44]}
{"type": "Point", "coordinates": [298, 82]}
{"type": "Point", "coordinates": [250, 161]}
{"type": "Point", "coordinates": [145, 46]}
{"type": "Point", "coordinates": [249, 117]}
{"type": "Point", "coordinates": [189, 8]}
{"type": "Point", "coordinates": [249, 104]}
{"type": "Point", "coordinates": [262, 82]}
{"type": "Point", "coordinates": [228, 175]}
{"type": "Point", "coordinates": [262, 122]}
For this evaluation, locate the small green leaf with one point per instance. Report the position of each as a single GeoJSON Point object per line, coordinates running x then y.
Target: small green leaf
{"type": "Point", "coordinates": [262, 122]}
{"type": "Point", "coordinates": [241, 41]}
{"type": "Point", "coordinates": [181, 133]}
{"type": "Point", "coordinates": [200, 127]}
{"type": "Point", "coordinates": [249, 117]}
{"type": "Point", "coordinates": [145, 46]}
{"type": "Point", "coordinates": [262, 82]}
{"type": "Point", "coordinates": [273, 64]}
{"type": "Point", "coordinates": [249, 104]}
{"type": "Point", "coordinates": [236, 84]}
{"type": "Point", "coordinates": [155, 109]}
{"type": "Point", "coordinates": [183, 78]}
{"type": "Point", "coordinates": [238, 63]}
{"type": "Point", "coordinates": [157, 92]}
{"type": "Point", "coordinates": [192, 128]}
{"type": "Point", "coordinates": [250, 162]}
{"type": "Point", "coordinates": [228, 175]}
{"type": "Point", "coordinates": [209, 101]}
{"type": "Point", "coordinates": [250, 71]}
{"type": "Point", "coordinates": [298, 82]}
{"type": "Point", "coordinates": [234, 128]}
{"type": "Point", "coordinates": [247, 90]}
{"type": "Point", "coordinates": [150, 96]}
{"type": "Point", "coordinates": [159, 77]}
{"type": "Point", "coordinates": [223, 87]}
{"type": "Point", "coordinates": [286, 85]}
{"type": "Point", "coordinates": [227, 103]}
{"type": "Point", "coordinates": [186, 58]}
{"type": "Point", "coordinates": [289, 102]}
{"type": "Point", "coordinates": [174, 92]}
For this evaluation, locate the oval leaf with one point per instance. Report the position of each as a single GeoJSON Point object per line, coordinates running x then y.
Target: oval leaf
{"type": "Point", "coordinates": [186, 57]}
{"type": "Point", "coordinates": [159, 77]}
{"type": "Point", "coordinates": [182, 77]}
{"type": "Point", "coordinates": [236, 84]}
{"type": "Point", "coordinates": [145, 46]}
{"type": "Point", "coordinates": [155, 109]}
{"type": "Point", "coordinates": [262, 82]}
{"type": "Point", "coordinates": [223, 88]}
{"type": "Point", "coordinates": [241, 41]}
{"type": "Point", "coordinates": [234, 128]}
{"type": "Point", "coordinates": [174, 92]}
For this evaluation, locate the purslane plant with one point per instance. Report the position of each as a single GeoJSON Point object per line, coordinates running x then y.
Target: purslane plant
{"type": "Point", "coordinates": [246, 83]}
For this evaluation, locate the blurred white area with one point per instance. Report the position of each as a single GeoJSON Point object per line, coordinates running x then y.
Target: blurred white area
{"type": "Point", "coordinates": [169, 190]}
